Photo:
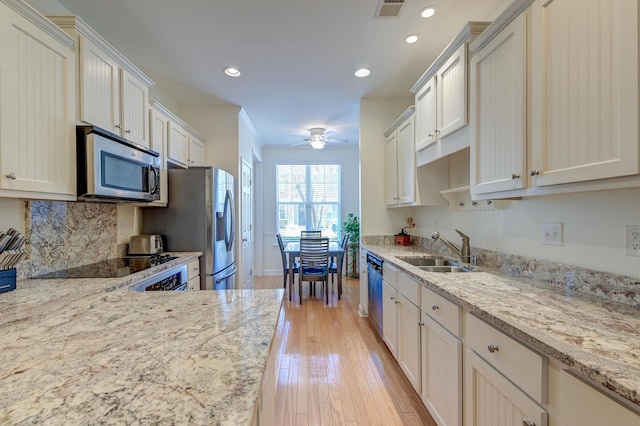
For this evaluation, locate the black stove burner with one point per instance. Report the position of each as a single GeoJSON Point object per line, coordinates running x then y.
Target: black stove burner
{"type": "Point", "coordinates": [111, 268]}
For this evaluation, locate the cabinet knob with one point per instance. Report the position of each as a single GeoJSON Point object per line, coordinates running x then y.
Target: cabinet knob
{"type": "Point", "coordinates": [127, 131]}
{"type": "Point", "coordinates": [420, 323]}
{"type": "Point", "coordinates": [12, 176]}
{"type": "Point", "coordinates": [515, 176]}
{"type": "Point", "coordinates": [460, 204]}
{"type": "Point", "coordinates": [392, 298]}
{"type": "Point", "coordinates": [534, 172]}
{"type": "Point", "coordinates": [430, 135]}
{"type": "Point", "coordinates": [492, 348]}
{"type": "Point", "coordinates": [435, 307]}
{"type": "Point", "coordinates": [117, 126]}
{"type": "Point", "coordinates": [527, 422]}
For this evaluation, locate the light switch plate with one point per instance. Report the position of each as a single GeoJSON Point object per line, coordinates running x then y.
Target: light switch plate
{"type": "Point", "coordinates": [552, 233]}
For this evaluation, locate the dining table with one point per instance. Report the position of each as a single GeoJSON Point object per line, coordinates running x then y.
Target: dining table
{"type": "Point", "coordinates": [292, 250]}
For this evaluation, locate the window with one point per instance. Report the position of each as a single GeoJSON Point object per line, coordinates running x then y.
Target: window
{"type": "Point", "coordinates": [308, 199]}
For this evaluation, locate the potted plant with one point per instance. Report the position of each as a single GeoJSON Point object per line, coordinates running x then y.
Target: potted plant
{"type": "Point", "coordinates": [352, 226]}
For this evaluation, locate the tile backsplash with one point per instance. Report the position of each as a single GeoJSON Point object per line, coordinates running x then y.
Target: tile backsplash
{"type": "Point", "coordinates": [61, 235]}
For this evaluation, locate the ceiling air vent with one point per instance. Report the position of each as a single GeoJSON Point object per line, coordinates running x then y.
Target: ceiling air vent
{"type": "Point", "coordinates": [389, 9]}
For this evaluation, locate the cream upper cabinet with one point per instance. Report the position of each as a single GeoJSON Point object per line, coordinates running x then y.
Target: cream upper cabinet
{"type": "Point", "coordinates": [37, 106]}
{"type": "Point", "coordinates": [498, 111]}
{"type": "Point", "coordinates": [426, 115]}
{"type": "Point", "coordinates": [178, 146]}
{"type": "Point", "coordinates": [112, 93]}
{"type": "Point", "coordinates": [159, 136]}
{"type": "Point", "coordinates": [400, 167]}
{"type": "Point", "coordinates": [584, 80]}
{"type": "Point", "coordinates": [441, 100]}
{"type": "Point", "coordinates": [135, 109]}
{"type": "Point", "coordinates": [196, 151]}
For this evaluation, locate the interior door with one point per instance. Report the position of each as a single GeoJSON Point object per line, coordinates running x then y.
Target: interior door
{"type": "Point", "coordinates": [246, 214]}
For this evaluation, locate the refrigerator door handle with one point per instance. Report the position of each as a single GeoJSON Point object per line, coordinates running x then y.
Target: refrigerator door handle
{"type": "Point", "coordinates": [230, 274]}
{"type": "Point", "coordinates": [230, 215]}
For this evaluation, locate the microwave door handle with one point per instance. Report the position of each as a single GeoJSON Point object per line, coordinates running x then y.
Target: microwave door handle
{"type": "Point", "coordinates": [154, 180]}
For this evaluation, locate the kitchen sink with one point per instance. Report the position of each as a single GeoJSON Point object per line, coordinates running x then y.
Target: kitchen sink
{"type": "Point", "coordinates": [433, 264]}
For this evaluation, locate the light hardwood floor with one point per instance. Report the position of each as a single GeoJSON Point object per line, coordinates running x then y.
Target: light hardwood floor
{"type": "Point", "coordinates": [334, 368]}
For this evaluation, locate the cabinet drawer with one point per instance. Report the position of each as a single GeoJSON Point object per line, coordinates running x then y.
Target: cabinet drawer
{"type": "Point", "coordinates": [521, 365]}
{"type": "Point", "coordinates": [194, 268]}
{"type": "Point", "coordinates": [409, 289]}
{"type": "Point", "coordinates": [390, 275]}
{"type": "Point", "coordinates": [442, 310]}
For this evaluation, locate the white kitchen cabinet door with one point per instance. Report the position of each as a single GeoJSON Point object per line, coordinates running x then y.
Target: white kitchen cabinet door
{"type": "Point", "coordinates": [498, 112]}
{"type": "Point", "coordinates": [135, 109]}
{"type": "Point", "coordinates": [159, 137]}
{"type": "Point", "coordinates": [99, 88]}
{"type": "Point", "coordinates": [441, 373]}
{"type": "Point", "coordinates": [390, 318]}
{"type": "Point", "coordinates": [452, 93]}
{"type": "Point", "coordinates": [492, 400]}
{"type": "Point", "coordinates": [406, 168]}
{"type": "Point", "coordinates": [425, 100]}
{"type": "Point", "coordinates": [391, 169]}
{"type": "Point", "coordinates": [178, 144]}
{"type": "Point", "coordinates": [584, 90]}
{"type": "Point", "coordinates": [196, 151]}
{"type": "Point", "coordinates": [409, 357]}
{"type": "Point", "coordinates": [37, 109]}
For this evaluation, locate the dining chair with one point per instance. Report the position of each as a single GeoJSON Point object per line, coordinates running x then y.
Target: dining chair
{"type": "Point", "coordinates": [285, 266]}
{"type": "Point", "coordinates": [333, 266]}
{"type": "Point", "coordinates": [310, 234]}
{"type": "Point", "coordinates": [314, 264]}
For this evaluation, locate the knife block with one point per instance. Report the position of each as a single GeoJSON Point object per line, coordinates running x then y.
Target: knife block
{"type": "Point", "coordinates": [7, 280]}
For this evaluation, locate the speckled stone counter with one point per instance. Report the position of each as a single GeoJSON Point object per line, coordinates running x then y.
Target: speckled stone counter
{"type": "Point", "coordinates": [597, 338]}
{"type": "Point", "coordinates": [78, 351]}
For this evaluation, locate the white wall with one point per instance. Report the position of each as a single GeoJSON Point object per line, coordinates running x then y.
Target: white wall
{"type": "Point", "coordinates": [348, 158]}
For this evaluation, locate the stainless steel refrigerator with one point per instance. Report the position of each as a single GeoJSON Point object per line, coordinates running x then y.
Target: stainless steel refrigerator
{"type": "Point", "coordinates": [200, 216]}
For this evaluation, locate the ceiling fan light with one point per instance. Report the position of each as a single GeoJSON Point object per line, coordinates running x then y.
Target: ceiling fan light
{"type": "Point", "coordinates": [317, 144]}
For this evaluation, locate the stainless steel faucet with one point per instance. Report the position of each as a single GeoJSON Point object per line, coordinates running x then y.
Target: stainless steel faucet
{"type": "Point", "coordinates": [464, 252]}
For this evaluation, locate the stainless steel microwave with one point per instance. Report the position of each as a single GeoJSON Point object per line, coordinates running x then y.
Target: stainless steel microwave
{"type": "Point", "coordinates": [111, 168]}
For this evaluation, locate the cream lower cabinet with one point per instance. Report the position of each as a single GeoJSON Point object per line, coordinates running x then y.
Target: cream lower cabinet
{"type": "Point", "coordinates": [492, 400]}
{"type": "Point", "coordinates": [37, 106]}
{"type": "Point", "coordinates": [390, 301]}
{"type": "Point", "coordinates": [409, 357]}
{"type": "Point", "coordinates": [193, 274]}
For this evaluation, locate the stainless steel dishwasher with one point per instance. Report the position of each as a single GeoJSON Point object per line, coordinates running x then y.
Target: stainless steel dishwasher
{"type": "Point", "coordinates": [374, 280]}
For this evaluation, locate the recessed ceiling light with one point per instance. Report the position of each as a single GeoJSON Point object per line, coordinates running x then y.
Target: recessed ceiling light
{"type": "Point", "coordinates": [363, 72]}
{"type": "Point", "coordinates": [428, 12]}
{"type": "Point", "coordinates": [232, 72]}
{"type": "Point", "coordinates": [411, 39]}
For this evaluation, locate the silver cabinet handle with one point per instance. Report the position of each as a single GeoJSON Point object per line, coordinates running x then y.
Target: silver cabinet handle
{"type": "Point", "coordinates": [527, 422]}
{"type": "Point", "coordinates": [534, 172]}
{"type": "Point", "coordinates": [12, 176]}
{"type": "Point", "coordinates": [515, 176]}
{"type": "Point", "coordinates": [492, 348]}
{"type": "Point", "coordinates": [435, 307]}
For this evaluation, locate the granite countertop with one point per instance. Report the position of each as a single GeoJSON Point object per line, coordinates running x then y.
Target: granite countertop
{"type": "Point", "coordinates": [76, 351]}
{"type": "Point", "coordinates": [595, 337]}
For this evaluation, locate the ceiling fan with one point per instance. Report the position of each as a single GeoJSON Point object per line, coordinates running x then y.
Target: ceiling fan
{"type": "Point", "coordinates": [319, 136]}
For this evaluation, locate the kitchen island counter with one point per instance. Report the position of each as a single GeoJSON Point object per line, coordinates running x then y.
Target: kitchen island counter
{"type": "Point", "coordinates": [77, 352]}
{"type": "Point", "coordinates": [597, 338]}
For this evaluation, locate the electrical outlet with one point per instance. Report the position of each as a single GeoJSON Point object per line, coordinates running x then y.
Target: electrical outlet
{"type": "Point", "coordinates": [552, 233]}
{"type": "Point", "coordinates": [632, 240]}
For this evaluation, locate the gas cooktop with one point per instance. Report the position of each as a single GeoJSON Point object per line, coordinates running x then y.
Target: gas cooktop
{"type": "Point", "coordinates": [111, 268]}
